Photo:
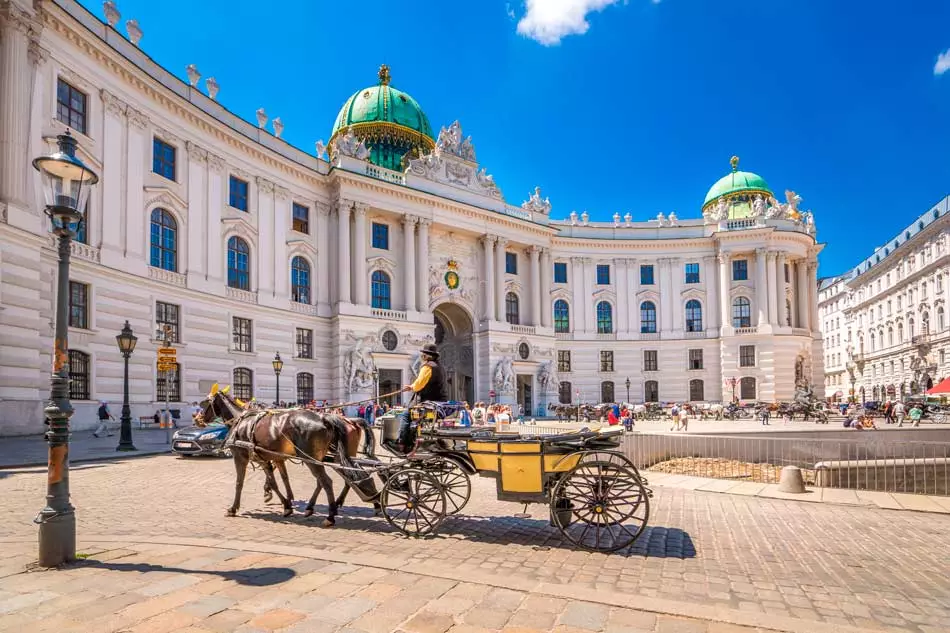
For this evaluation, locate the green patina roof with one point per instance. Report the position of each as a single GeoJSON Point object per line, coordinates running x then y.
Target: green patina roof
{"type": "Point", "coordinates": [383, 104]}
{"type": "Point", "coordinates": [736, 182]}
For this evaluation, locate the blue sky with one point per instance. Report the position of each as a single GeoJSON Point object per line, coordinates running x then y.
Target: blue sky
{"type": "Point", "coordinates": [843, 102]}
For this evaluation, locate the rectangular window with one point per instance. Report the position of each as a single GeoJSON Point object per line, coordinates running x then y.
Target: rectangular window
{"type": "Point", "coordinates": [695, 359]}
{"type": "Point", "coordinates": [78, 305]}
{"type": "Point", "coordinates": [786, 273]}
{"type": "Point", "coordinates": [166, 314]}
{"type": "Point", "coordinates": [237, 189]}
{"type": "Point", "coordinates": [692, 273]}
{"type": "Point", "coordinates": [70, 106]}
{"type": "Point", "coordinates": [304, 343]}
{"type": "Point", "coordinates": [747, 356]}
{"type": "Point", "coordinates": [740, 269]}
{"type": "Point", "coordinates": [603, 274]}
{"type": "Point", "coordinates": [560, 272]}
{"type": "Point", "coordinates": [606, 360]}
{"type": "Point", "coordinates": [304, 388]}
{"type": "Point", "coordinates": [301, 218]}
{"type": "Point", "coordinates": [650, 360]}
{"type": "Point", "coordinates": [381, 236]}
{"type": "Point", "coordinates": [169, 381]}
{"type": "Point", "coordinates": [511, 263]}
{"type": "Point", "coordinates": [646, 275]}
{"type": "Point", "coordinates": [564, 360]}
{"type": "Point", "coordinates": [241, 333]}
{"type": "Point", "coordinates": [163, 159]}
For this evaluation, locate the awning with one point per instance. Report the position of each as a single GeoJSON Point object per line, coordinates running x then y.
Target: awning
{"type": "Point", "coordinates": [943, 387]}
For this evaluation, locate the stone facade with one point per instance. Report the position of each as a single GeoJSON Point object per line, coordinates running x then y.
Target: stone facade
{"type": "Point", "coordinates": [392, 259]}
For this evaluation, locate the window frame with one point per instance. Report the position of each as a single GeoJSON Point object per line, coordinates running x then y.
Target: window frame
{"type": "Point", "coordinates": [694, 315]}
{"type": "Point", "coordinates": [82, 112]}
{"type": "Point", "coordinates": [741, 312]}
{"type": "Point", "coordinates": [694, 359]}
{"type": "Point", "coordinates": [242, 334]}
{"type": "Point", "coordinates": [607, 388]}
{"type": "Point", "coordinates": [161, 319]}
{"type": "Point", "coordinates": [511, 263]}
{"type": "Point", "coordinates": [606, 361]}
{"type": "Point", "coordinates": [564, 392]}
{"type": "Point", "coordinates": [303, 343]}
{"type": "Point", "coordinates": [740, 270]}
{"type": "Point", "coordinates": [745, 353]}
{"type": "Point", "coordinates": [605, 317]}
{"type": "Point", "coordinates": [562, 267]}
{"type": "Point", "coordinates": [691, 273]}
{"type": "Point", "coordinates": [692, 390]}
{"type": "Point", "coordinates": [564, 361]}
{"type": "Point", "coordinates": [379, 236]}
{"type": "Point", "coordinates": [300, 222]}
{"type": "Point", "coordinates": [239, 278]}
{"type": "Point", "coordinates": [239, 386]}
{"type": "Point", "coordinates": [603, 274]}
{"type": "Point", "coordinates": [744, 382]}
{"type": "Point", "coordinates": [651, 391]}
{"type": "Point", "coordinates": [380, 300]}
{"type": "Point", "coordinates": [161, 383]}
{"type": "Point", "coordinates": [164, 159]}
{"type": "Point", "coordinates": [78, 309]}
{"type": "Point", "coordinates": [562, 322]}
{"type": "Point", "coordinates": [80, 383]}
{"type": "Point", "coordinates": [651, 360]}
{"type": "Point", "coordinates": [302, 389]}
{"type": "Point", "coordinates": [645, 323]}
{"type": "Point", "coordinates": [236, 195]}
{"type": "Point", "coordinates": [512, 308]}
{"type": "Point", "coordinates": [301, 273]}
{"type": "Point", "coordinates": [163, 240]}
{"type": "Point", "coordinates": [647, 272]}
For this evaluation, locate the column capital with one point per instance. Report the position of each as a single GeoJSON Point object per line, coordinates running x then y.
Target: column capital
{"type": "Point", "coordinates": [196, 152]}
{"type": "Point", "coordinates": [343, 207]}
{"type": "Point", "coordinates": [136, 118]}
{"type": "Point", "coordinates": [215, 162]}
{"type": "Point", "coordinates": [16, 18]}
{"type": "Point", "coordinates": [501, 241]}
{"type": "Point", "coordinates": [424, 222]}
{"type": "Point", "coordinates": [409, 220]}
{"type": "Point", "coordinates": [761, 251]}
{"type": "Point", "coordinates": [772, 255]}
{"type": "Point", "coordinates": [709, 259]}
{"type": "Point", "coordinates": [264, 185]}
{"type": "Point", "coordinates": [281, 193]}
{"type": "Point", "coordinates": [723, 257]}
{"type": "Point", "coordinates": [113, 105]}
{"type": "Point", "coordinates": [322, 208]}
{"type": "Point", "coordinates": [487, 240]}
{"type": "Point", "coordinates": [360, 208]}
{"type": "Point", "coordinates": [36, 53]}
{"type": "Point", "coordinates": [533, 250]}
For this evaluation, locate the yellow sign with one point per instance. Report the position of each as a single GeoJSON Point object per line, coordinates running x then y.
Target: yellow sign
{"type": "Point", "coordinates": [163, 366]}
{"type": "Point", "coordinates": [167, 353]}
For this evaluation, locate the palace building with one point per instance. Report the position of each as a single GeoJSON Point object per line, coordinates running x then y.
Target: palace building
{"type": "Point", "coordinates": [347, 259]}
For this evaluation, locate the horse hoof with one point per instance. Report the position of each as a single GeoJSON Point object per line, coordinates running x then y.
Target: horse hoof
{"type": "Point", "coordinates": [231, 513]}
{"type": "Point", "coordinates": [267, 497]}
{"type": "Point", "coordinates": [288, 512]}
{"type": "Point", "coordinates": [328, 523]}
{"type": "Point", "coordinates": [308, 512]}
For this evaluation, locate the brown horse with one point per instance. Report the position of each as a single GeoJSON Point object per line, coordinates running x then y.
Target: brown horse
{"type": "Point", "coordinates": [268, 438]}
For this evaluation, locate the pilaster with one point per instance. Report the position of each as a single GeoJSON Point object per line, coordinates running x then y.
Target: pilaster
{"type": "Point", "coordinates": [500, 248]}
{"type": "Point", "coordinates": [422, 276]}
{"type": "Point", "coordinates": [360, 238]}
{"type": "Point", "coordinates": [409, 266]}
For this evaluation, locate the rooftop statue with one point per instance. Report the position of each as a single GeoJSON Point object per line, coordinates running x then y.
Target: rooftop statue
{"type": "Point", "coordinates": [536, 204]}
{"type": "Point", "coordinates": [450, 140]}
{"type": "Point", "coordinates": [349, 145]}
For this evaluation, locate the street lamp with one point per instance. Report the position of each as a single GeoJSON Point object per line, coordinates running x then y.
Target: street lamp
{"type": "Point", "coordinates": [732, 381]}
{"type": "Point", "coordinates": [851, 366]}
{"type": "Point", "coordinates": [627, 383]}
{"type": "Point", "coordinates": [126, 341]}
{"type": "Point", "coordinates": [66, 183]}
{"type": "Point", "coordinates": [277, 364]}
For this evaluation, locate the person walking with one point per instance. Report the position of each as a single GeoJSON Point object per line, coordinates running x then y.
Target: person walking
{"type": "Point", "coordinates": [675, 415]}
{"type": "Point", "coordinates": [684, 419]}
{"type": "Point", "coordinates": [899, 413]}
{"type": "Point", "coordinates": [104, 416]}
{"type": "Point", "coordinates": [465, 415]}
{"type": "Point", "coordinates": [888, 412]}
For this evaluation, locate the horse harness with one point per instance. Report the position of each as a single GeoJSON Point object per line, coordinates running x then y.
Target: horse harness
{"type": "Point", "coordinates": [251, 418]}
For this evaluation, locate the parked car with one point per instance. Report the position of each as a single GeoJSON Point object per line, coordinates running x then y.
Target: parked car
{"type": "Point", "coordinates": [201, 440]}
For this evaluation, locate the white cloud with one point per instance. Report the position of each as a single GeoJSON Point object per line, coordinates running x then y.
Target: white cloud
{"type": "Point", "coordinates": [510, 11]}
{"type": "Point", "coordinates": [547, 21]}
{"type": "Point", "coordinates": [942, 65]}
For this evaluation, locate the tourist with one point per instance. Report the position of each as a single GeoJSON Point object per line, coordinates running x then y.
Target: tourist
{"type": "Point", "coordinates": [503, 416]}
{"type": "Point", "coordinates": [916, 412]}
{"type": "Point", "coordinates": [675, 416]}
{"type": "Point", "coordinates": [478, 414]}
{"type": "Point", "coordinates": [888, 412]}
{"type": "Point", "coordinates": [104, 416]}
{"type": "Point", "coordinates": [465, 415]}
{"type": "Point", "coordinates": [612, 419]}
{"type": "Point", "coordinates": [684, 419]}
{"type": "Point", "coordinates": [899, 413]}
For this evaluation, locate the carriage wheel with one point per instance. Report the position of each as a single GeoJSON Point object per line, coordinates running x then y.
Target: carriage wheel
{"type": "Point", "coordinates": [600, 505]}
{"type": "Point", "coordinates": [455, 482]}
{"type": "Point", "coordinates": [413, 502]}
{"type": "Point", "coordinates": [612, 457]}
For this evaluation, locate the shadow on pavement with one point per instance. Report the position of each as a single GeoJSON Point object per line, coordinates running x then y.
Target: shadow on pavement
{"type": "Point", "coordinates": [32, 470]}
{"type": "Point", "coordinates": [654, 542]}
{"type": "Point", "coordinates": [254, 576]}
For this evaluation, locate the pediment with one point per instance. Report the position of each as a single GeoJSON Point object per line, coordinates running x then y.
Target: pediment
{"type": "Point", "coordinates": [381, 263]}
{"type": "Point", "coordinates": [163, 196]}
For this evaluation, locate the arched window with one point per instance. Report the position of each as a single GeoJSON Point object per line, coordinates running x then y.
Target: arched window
{"type": "Point", "coordinates": [381, 291]}
{"type": "Point", "coordinates": [243, 383]}
{"type": "Point", "coordinates": [694, 316]}
{"type": "Point", "coordinates": [304, 387]}
{"type": "Point", "coordinates": [747, 388]}
{"type": "Point", "coordinates": [872, 341]}
{"type": "Point", "coordinates": [925, 323]}
{"type": "Point", "coordinates": [651, 391]}
{"type": "Point", "coordinates": [605, 320]}
{"type": "Point", "coordinates": [741, 313]}
{"type": "Point", "coordinates": [648, 319]}
{"type": "Point", "coordinates": [239, 266]}
{"type": "Point", "coordinates": [910, 328]}
{"type": "Point", "coordinates": [696, 390]}
{"type": "Point", "coordinates": [940, 321]}
{"type": "Point", "coordinates": [562, 317]}
{"type": "Point", "coordinates": [512, 308]}
{"type": "Point", "coordinates": [890, 336]}
{"type": "Point", "coordinates": [164, 240]}
{"type": "Point", "coordinates": [788, 312]}
{"type": "Point", "coordinates": [607, 391]}
{"type": "Point", "coordinates": [79, 379]}
{"type": "Point", "coordinates": [900, 332]}
{"type": "Point", "coordinates": [939, 284]}
{"type": "Point", "coordinates": [564, 392]}
{"type": "Point", "coordinates": [300, 280]}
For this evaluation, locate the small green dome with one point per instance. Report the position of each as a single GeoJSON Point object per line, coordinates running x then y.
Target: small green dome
{"type": "Point", "coordinates": [390, 122]}
{"type": "Point", "coordinates": [737, 182]}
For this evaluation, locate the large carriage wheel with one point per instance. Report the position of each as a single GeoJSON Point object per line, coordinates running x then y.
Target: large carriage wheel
{"type": "Point", "coordinates": [455, 482]}
{"type": "Point", "coordinates": [413, 502]}
{"type": "Point", "coordinates": [601, 505]}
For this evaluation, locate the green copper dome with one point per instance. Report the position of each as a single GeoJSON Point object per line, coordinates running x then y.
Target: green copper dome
{"type": "Point", "coordinates": [391, 123]}
{"type": "Point", "coordinates": [736, 183]}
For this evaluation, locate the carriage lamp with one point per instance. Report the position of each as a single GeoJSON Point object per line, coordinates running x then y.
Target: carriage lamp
{"type": "Point", "coordinates": [66, 185]}
{"type": "Point", "coordinates": [278, 365]}
{"type": "Point", "coordinates": [126, 341]}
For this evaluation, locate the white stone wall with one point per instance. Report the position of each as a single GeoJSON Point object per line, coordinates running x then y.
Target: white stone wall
{"type": "Point", "coordinates": [434, 224]}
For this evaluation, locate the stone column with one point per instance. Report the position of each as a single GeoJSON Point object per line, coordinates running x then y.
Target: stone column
{"type": "Point", "coordinates": [422, 278]}
{"type": "Point", "coordinates": [197, 208]}
{"type": "Point", "coordinates": [282, 214]}
{"type": "Point", "coordinates": [544, 293]}
{"type": "Point", "coordinates": [711, 316]}
{"type": "Point", "coordinates": [15, 91]}
{"type": "Point", "coordinates": [623, 300]}
{"type": "Point", "coordinates": [110, 185]}
{"type": "Point", "coordinates": [343, 249]}
{"type": "Point", "coordinates": [579, 312]}
{"type": "Point", "coordinates": [633, 287]}
{"type": "Point", "coordinates": [534, 258]}
{"type": "Point", "coordinates": [761, 287]}
{"type": "Point", "coordinates": [801, 293]}
{"type": "Point", "coordinates": [500, 247]}
{"type": "Point", "coordinates": [677, 279]}
{"type": "Point", "coordinates": [487, 286]}
{"type": "Point", "coordinates": [323, 252]}
{"type": "Point", "coordinates": [772, 283]}
{"type": "Point", "coordinates": [266, 239]}
{"type": "Point", "coordinates": [587, 305]}
{"type": "Point", "coordinates": [409, 266]}
{"type": "Point", "coordinates": [361, 287]}
{"type": "Point", "coordinates": [812, 281]}
{"type": "Point", "coordinates": [666, 295]}
{"type": "Point", "coordinates": [781, 308]}
{"type": "Point", "coordinates": [134, 214]}
{"type": "Point", "coordinates": [724, 320]}
{"type": "Point", "coordinates": [214, 258]}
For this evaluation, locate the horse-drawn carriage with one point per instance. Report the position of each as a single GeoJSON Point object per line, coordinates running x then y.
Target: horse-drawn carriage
{"type": "Point", "coordinates": [596, 496]}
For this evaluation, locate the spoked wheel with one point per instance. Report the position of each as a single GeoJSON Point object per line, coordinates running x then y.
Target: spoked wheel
{"type": "Point", "coordinates": [455, 482]}
{"type": "Point", "coordinates": [413, 502]}
{"type": "Point", "coordinates": [601, 505]}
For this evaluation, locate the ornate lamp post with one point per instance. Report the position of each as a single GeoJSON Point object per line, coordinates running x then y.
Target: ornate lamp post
{"type": "Point", "coordinates": [851, 366]}
{"type": "Point", "coordinates": [126, 341]}
{"type": "Point", "coordinates": [66, 184]}
{"type": "Point", "coordinates": [731, 382]}
{"type": "Point", "coordinates": [627, 383]}
{"type": "Point", "coordinates": [278, 365]}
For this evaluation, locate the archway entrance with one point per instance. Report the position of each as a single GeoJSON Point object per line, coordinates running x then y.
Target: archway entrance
{"type": "Point", "coordinates": [453, 337]}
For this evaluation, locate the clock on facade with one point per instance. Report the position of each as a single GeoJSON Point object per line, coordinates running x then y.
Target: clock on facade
{"type": "Point", "coordinates": [390, 340]}
{"type": "Point", "coordinates": [524, 351]}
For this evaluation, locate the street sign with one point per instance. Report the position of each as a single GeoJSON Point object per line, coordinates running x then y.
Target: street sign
{"type": "Point", "coordinates": [165, 366]}
{"type": "Point", "coordinates": [491, 394]}
{"type": "Point", "coordinates": [167, 354]}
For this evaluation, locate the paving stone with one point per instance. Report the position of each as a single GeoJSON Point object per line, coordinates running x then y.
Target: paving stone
{"type": "Point", "coordinates": [227, 620]}
{"type": "Point", "coordinates": [345, 610]}
{"type": "Point", "coordinates": [527, 619]}
{"type": "Point", "coordinates": [584, 615]}
{"type": "Point", "coordinates": [487, 618]}
{"type": "Point", "coordinates": [428, 622]}
{"type": "Point", "coordinates": [630, 619]}
{"type": "Point", "coordinates": [667, 624]}
{"type": "Point", "coordinates": [276, 619]}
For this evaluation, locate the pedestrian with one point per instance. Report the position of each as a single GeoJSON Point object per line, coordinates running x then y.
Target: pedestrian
{"type": "Point", "coordinates": [916, 412]}
{"type": "Point", "coordinates": [764, 415]}
{"type": "Point", "coordinates": [888, 412]}
{"type": "Point", "coordinates": [465, 415]}
{"type": "Point", "coordinates": [104, 416]}
{"type": "Point", "coordinates": [684, 419]}
{"type": "Point", "coordinates": [899, 413]}
{"type": "Point", "coordinates": [675, 415]}
{"type": "Point", "coordinates": [195, 410]}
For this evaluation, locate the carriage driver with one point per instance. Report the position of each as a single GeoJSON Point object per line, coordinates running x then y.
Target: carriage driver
{"type": "Point", "coordinates": [429, 386]}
